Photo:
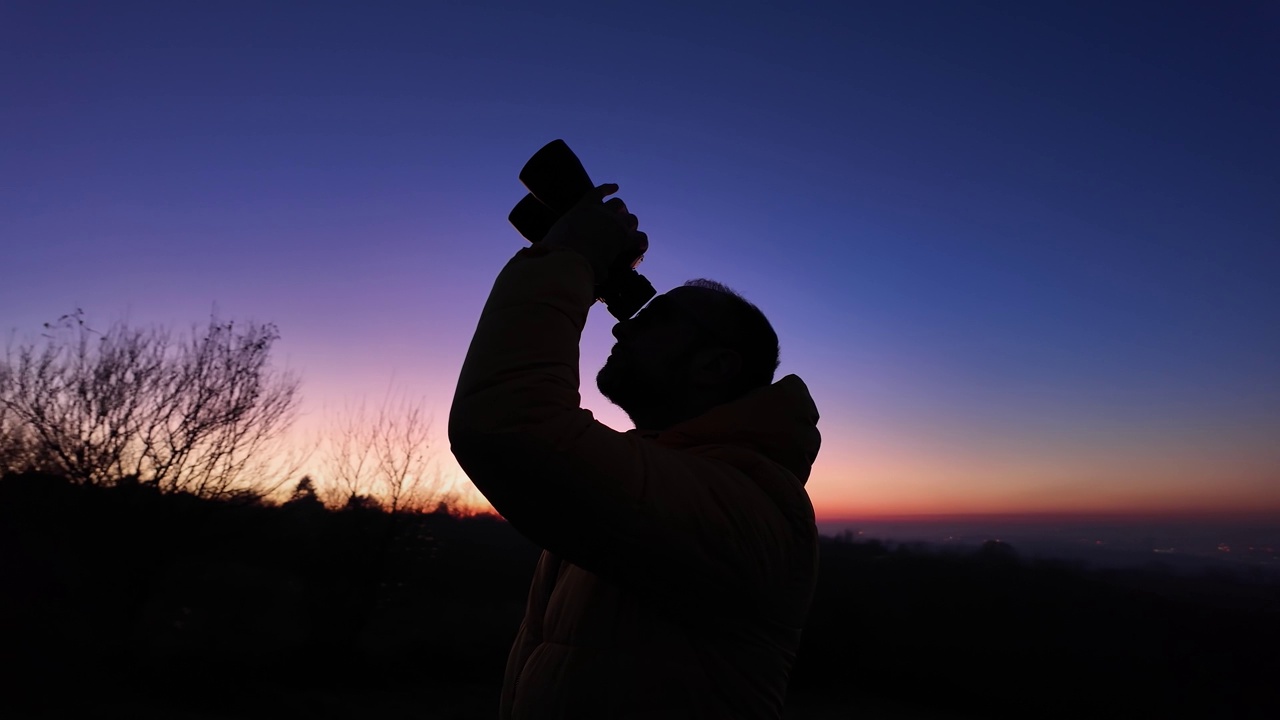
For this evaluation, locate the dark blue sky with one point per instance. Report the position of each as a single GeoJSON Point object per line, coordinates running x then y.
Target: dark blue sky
{"type": "Point", "coordinates": [1025, 254]}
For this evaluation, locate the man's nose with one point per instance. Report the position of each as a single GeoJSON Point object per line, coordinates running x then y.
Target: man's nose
{"type": "Point", "coordinates": [622, 329]}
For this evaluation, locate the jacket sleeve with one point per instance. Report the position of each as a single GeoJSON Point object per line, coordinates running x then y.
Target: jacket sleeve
{"type": "Point", "coordinates": [616, 504]}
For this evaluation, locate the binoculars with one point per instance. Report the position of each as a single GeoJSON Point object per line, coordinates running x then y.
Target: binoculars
{"type": "Point", "coordinates": [556, 182]}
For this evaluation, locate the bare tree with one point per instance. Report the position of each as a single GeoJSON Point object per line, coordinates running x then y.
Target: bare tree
{"type": "Point", "coordinates": [196, 414]}
{"type": "Point", "coordinates": [73, 403]}
{"type": "Point", "coordinates": [16, 453]}
{"type": "Point", "coordinates": [348, 456]}
{"type": "Point", "coordinates": [385, 454]}
{"type": "Point", "coordinates": [224, 405]}
{"type": "Point", "coordinates": [402, 438]}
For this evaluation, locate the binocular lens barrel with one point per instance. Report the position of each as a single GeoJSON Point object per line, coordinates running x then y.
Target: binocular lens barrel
{"type": "Point", "coordinates": [556, 182]}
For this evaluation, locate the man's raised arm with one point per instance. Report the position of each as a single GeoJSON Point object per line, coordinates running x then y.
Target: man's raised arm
{"type": "Point", "coordinates": [613, 503]}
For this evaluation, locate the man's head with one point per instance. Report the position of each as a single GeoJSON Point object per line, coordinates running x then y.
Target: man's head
{"type": "Point", "coordinates": [690, 349]}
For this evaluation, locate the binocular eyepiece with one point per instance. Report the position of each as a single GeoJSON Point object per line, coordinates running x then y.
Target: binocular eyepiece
{"type": "Point", "coordinates": [556, 182]}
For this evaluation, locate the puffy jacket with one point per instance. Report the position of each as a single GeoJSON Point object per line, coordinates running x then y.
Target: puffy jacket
{"type": "Point", "coordinates": [678, 566]}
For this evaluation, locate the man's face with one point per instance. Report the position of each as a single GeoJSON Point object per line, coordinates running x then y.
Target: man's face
{"type": "Point", "coordinates": [650, 364]}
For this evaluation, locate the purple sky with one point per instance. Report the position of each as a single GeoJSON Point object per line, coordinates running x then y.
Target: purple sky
{"type": "Point", "coordinates": [1026, 255]}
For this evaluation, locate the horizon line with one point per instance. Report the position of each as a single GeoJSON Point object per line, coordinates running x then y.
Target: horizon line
{"type": "Point", "coordinates": [1264, 515]}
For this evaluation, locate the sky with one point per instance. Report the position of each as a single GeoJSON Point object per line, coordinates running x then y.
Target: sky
{"type": "Point", "coordinates": [1025, 255]}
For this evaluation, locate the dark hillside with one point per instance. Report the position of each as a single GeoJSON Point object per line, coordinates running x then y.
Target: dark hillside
{"type": "Point", "coordinates": [167, 605]}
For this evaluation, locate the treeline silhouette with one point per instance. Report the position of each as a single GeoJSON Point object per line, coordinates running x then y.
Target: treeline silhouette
{"type": "Point", "coordinates": [148, 604]}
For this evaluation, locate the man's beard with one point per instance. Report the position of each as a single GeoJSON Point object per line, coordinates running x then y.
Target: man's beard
{"type": "Point", "coordinates": [643, 396]}
{"type": "Point", "coordinates": [623, 386]}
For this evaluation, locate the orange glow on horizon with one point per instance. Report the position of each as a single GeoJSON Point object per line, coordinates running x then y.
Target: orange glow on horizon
{"type": "Point", "coordinates": [884, 473]}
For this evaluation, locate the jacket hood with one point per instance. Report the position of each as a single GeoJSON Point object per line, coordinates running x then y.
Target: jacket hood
{"type": "Point", "coordinates": [779, 421]}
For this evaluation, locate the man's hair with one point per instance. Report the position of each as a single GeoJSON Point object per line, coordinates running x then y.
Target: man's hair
{"type": "Point", "coordinates": [748, 332]}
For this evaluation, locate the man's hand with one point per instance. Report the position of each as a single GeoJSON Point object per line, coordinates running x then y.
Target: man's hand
{"type": "Point", "coordinates": [603, 232]}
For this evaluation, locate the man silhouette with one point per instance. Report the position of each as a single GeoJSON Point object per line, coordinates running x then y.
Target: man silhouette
{"type": "Point", "coordinates": [680, 557]}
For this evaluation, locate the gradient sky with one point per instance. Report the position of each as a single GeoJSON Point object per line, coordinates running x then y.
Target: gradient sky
{"type": "Point", "coordinates": [1025, 254]}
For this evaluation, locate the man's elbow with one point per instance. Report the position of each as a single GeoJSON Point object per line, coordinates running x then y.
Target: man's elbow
{"type": "Point", "coordinates": [476, 429]}
{"type": "Point", "coordinates": [468, 445]}
{"type": "Point", "coordinates": [486, 457]}
{"type": "Point", "coordinates": [465, 432]}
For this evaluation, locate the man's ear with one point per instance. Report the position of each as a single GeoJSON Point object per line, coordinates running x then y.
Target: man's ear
{"type": "Point", "coordinates": [716, 366]}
